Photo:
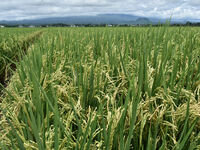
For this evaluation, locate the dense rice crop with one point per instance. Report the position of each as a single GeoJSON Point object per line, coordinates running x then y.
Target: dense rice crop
{"type": "Point", "coordinates": [105, 88]}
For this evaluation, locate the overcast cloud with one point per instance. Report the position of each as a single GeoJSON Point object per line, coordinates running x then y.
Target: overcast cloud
{"type": "Point", "coordinates": [24, 9]}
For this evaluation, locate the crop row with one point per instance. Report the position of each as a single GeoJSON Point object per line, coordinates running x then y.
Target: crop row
{"type": "Point", "coordinates": [12, 47]}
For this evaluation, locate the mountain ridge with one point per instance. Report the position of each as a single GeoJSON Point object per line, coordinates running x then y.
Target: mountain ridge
{"type": "Point", "coordinates": [90, 19]}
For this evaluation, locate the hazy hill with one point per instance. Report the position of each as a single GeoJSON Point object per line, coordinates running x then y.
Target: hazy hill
{"type": "Point", "coordinates": [98, 19]}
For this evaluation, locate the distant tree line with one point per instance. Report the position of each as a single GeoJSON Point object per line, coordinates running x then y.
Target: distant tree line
{"type": "Point", "coordinates": [188, 23]}
{"type": "Point", "coordinates": [101, 25]}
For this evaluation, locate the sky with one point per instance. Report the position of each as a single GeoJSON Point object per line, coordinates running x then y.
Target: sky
{"type": "Point", "coordinates": [32, 9]}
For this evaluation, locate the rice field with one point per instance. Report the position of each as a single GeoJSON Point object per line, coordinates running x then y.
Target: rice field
{"type": "Point", "coordinates": [105, 88]}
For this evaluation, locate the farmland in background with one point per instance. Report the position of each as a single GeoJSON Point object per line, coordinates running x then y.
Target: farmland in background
{"type": "Point", "coordinates": [102, 88]}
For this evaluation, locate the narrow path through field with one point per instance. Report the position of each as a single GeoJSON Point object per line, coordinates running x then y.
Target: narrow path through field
{"type": "Point", "coordinates": [6, 75]}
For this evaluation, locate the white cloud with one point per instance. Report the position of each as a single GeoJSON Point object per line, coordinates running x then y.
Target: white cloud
{"type": "Point", "coordinates": [24, 9]}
